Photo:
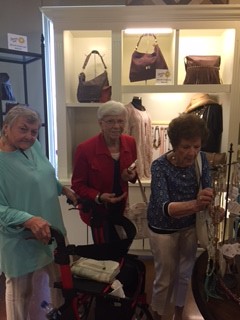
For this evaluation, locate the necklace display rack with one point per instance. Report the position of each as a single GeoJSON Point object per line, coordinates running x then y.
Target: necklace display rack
{"type": "Point", "coordinates": [160, 140]}
{"type": "Point", "coordinates": [216, 274]}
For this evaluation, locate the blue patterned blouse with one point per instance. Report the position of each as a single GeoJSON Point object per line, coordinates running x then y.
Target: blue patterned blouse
{"type": "Point", "coordinates": [173, 184]}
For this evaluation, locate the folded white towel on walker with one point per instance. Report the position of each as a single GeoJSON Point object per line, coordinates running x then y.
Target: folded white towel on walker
{"type": "Point", "coordinates": [102, 271]}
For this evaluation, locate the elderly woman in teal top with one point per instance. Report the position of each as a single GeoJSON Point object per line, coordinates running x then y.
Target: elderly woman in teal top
{"type": "Point", "coordinates": [29, 204]}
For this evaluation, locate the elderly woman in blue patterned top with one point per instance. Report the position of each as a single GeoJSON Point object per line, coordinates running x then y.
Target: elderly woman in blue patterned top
{"type": "Point", "coordinates": [175, 199]}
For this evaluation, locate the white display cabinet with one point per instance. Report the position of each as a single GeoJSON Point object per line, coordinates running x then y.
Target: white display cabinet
{"type": "Point", "coordinates": [196, 30]}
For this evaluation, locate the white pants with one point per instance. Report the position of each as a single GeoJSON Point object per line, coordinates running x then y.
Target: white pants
{"type": "Point", "coordinates": [24, 294]}
{"type": "Point", "coordinates": [174, 255]}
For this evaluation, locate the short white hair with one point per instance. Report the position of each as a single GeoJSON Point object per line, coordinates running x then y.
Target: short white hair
{"type": "Point", "coordinates": [111, 108]}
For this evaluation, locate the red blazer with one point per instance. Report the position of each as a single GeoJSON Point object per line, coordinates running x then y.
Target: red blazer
{"type": "Point", "coordinates": [93, 167]}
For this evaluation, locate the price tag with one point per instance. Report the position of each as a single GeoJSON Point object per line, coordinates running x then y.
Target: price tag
{"type": "Point", "coordinates": [234, 207]}
{"type": "Point", "coordinates": [163, 76]}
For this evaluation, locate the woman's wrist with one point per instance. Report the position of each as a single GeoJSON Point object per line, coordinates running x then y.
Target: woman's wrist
{"type": "Point", "coordinates": [64, 190]}
{"type": "Point", "coordinates": [98, 198]}
{"type": "Point", "coordinates": [166, 209]}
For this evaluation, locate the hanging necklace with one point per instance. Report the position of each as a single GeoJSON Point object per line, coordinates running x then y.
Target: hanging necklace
{"type": "Point", "coordinates": [156, 138]}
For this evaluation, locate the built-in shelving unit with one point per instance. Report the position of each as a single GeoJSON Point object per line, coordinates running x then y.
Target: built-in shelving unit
{"type": "Point", "coordinates": [196, 30]}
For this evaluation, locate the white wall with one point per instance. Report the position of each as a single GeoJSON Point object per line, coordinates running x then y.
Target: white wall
{"type": "Point", "coordinates": [24, 17]}
{"type": "Point", "coordinates": [21, 17]}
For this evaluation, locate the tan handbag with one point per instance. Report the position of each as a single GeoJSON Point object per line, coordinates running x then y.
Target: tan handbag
{"type": "Point", "coordinates": [137, 213]}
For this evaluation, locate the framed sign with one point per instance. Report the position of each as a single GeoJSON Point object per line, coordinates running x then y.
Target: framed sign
{"type": "Point", "coordinates": [17, 42]}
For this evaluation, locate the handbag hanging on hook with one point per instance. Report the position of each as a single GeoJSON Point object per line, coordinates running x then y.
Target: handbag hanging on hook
{"type": "Point", "coordinates": [96, 89]}
{"type": "Point", "coordinates": [143, 65]}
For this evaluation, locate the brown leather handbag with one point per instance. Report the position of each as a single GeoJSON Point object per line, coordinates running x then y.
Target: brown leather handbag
{"type": "Point", "coordinates": [202, 69]}
{"type": "Point", "coordinates": [143, 65]}
{"type": "Point", "coordinates": [96, 89]}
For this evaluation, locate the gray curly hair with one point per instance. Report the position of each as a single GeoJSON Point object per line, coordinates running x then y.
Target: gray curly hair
{"type": "Point", "coordinates": [14, 113]}
{"type": "Point", "coordinates": [111, 108]}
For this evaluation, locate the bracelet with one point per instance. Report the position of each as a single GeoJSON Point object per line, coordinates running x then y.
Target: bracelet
{"type": "Point", "coordinates": [165, 209]}
{"type": "Point", "coordinates": [97, 199]}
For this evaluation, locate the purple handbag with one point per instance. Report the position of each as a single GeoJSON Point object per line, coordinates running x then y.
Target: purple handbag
{"type": "Point", "coordinates": [143, 65]}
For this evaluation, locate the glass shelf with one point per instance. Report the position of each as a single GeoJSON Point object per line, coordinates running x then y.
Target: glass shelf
{"type": "Point", "coordinates": [15, 56]}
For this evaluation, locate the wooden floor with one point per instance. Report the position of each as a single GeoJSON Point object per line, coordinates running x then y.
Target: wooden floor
{"type": "Point", "coordinates": [191, 311]}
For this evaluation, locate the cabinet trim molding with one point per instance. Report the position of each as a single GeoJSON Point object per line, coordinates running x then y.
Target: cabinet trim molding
{"type": "Point", "coordinates": [102, 17]}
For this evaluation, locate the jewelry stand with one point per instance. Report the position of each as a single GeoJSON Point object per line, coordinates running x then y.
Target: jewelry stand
{"type": "Point", "coordinates": [216, 275]}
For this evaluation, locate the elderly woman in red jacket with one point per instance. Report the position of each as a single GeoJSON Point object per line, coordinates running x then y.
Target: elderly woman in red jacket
{"type": "Point", "coordinates": [101, 168]}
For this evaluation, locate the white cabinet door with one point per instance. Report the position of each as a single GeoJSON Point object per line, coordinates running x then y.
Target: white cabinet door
{"type": "Point", "coordinates": [77, 232]}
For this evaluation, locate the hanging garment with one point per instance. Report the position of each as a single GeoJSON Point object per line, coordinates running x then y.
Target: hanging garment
{"type": "Point", "coordinates": [139, 126]}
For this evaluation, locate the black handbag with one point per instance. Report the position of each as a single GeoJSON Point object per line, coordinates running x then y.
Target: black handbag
{"type": "Point", "coordinates": [6, 92]}
{"type": "Point", "coordinates": [96, 89]}
{"type": "Point", "coordinates": [202, 69]}
{"type": "Point", "coordinates": [143, 65]}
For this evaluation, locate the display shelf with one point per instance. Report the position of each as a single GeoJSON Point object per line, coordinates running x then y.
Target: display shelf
{"type": "Point", "coordinates": [206, 42]}
{"type": "Point", "coordinates": [77, 45]}
{"type": "Point", "coordinates": [21, 57]}
{"type": "Point", "coordinates": [210, 88]}
{"type": "Point", "coordinates": [83, 105]}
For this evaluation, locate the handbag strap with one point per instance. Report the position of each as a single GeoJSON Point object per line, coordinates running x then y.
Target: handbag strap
{"type": "Point", "coordinates": [185, 63]}
{"type": "Point", "coordinates": [198, 168]}
{"type": "Point", "coordinates": [142, 190]}
{"type": "Point", "coordinates": [144, 35]}
{"type": "Point", "coordinates": [88, 57]}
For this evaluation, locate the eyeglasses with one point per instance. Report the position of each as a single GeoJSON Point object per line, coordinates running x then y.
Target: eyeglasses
{"type": "Point", "coordinates": [112, 122]}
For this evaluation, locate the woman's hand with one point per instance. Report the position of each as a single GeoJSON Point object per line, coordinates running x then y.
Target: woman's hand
{"type": "Point", "coordinates": [40, 229]}
{"type": "Point", "coordinates": [204, 198]}
{"type": "Point", "coordinates": [71, 195]}
{"type": "Point", "coordinates": [128, 175]}
{"type": "Point", "coordinates": [111, 197]}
